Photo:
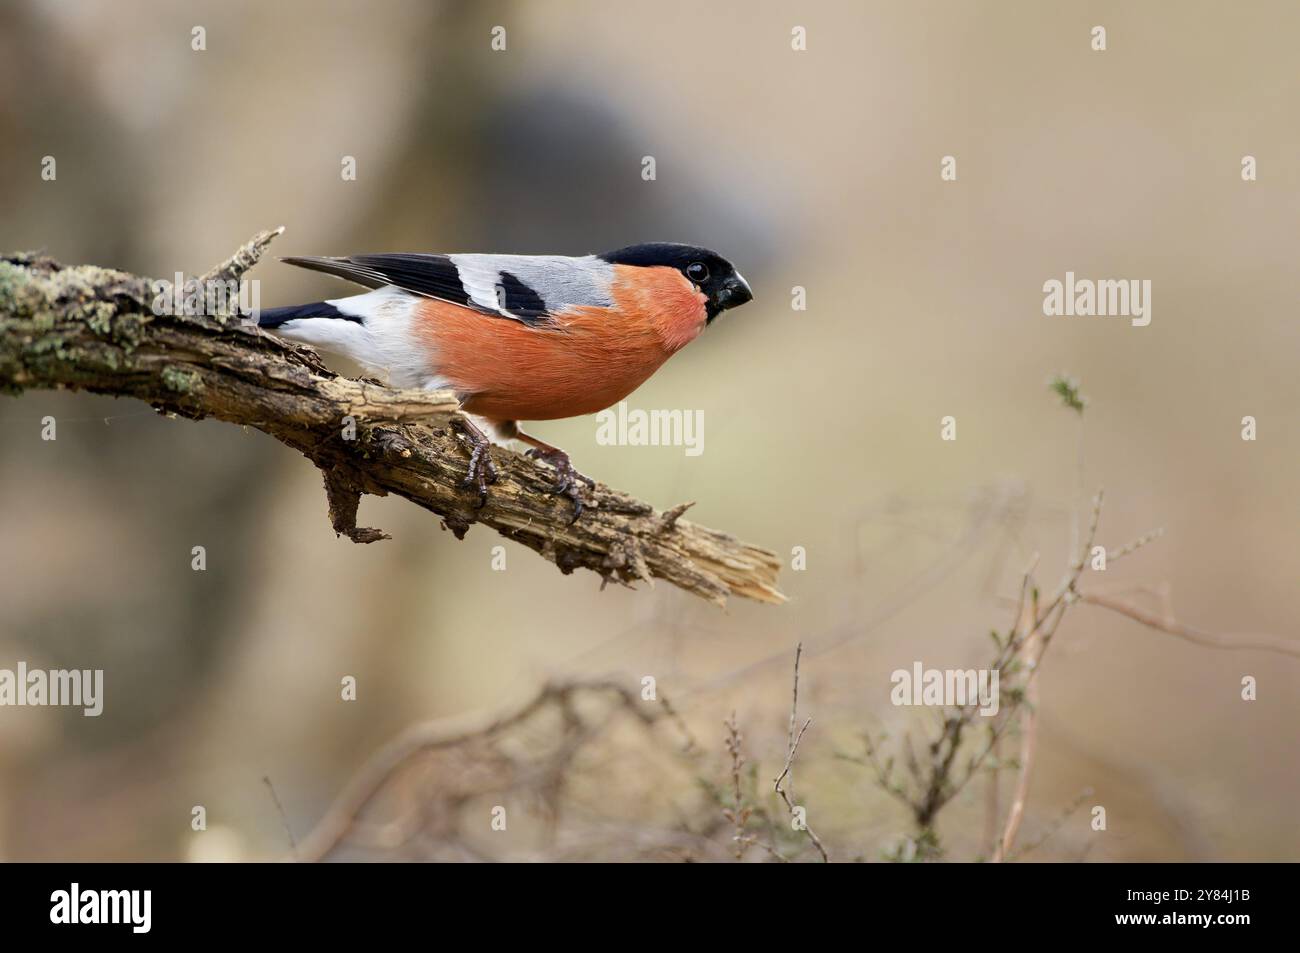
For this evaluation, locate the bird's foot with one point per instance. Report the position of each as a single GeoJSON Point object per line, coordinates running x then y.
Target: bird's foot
{"type": "Point", "coordinates": [570, 481]}
{"type": "Point", "coordinates": [482, 472]}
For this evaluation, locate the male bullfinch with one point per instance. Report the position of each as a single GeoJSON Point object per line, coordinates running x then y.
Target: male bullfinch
{"type": "Point", "coordinates": [518, 337]}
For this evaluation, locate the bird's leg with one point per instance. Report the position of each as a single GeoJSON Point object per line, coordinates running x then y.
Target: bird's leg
{"type": "Point", "coordinates": [570, 480]}
{"type": "Point", "coordinates": [481, 469]}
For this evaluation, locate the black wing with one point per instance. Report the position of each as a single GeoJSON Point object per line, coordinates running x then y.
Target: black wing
{"type": "Point", "coordinates": [432, 276]}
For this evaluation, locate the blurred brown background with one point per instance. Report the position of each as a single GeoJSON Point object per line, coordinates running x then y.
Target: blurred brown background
{"type": "Point", "coordinates": [816, 168]}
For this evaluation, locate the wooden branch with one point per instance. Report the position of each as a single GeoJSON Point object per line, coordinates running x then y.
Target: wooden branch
{"type": "Point", "coordinates": [94, 329]}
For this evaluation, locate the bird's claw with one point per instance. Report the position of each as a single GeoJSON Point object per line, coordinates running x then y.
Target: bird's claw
{"type": "Point", "coordinates": [482, 471]}
{"type": "Point", "coordinates": [570, 482]}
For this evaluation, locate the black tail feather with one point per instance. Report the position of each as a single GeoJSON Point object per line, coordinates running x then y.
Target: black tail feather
{"type": "Point", "coordinates": [274, 317]}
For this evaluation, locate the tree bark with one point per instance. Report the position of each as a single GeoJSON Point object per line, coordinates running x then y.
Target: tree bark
{"type": "Point", "coordinates": [98, 330]}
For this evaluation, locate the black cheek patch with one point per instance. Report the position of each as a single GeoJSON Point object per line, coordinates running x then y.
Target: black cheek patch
{"type": "Point", "coordinates": [521, 301]}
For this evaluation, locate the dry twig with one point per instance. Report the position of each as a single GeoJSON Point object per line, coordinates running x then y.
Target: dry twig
{"type": "Point", "coordinates": [792, 747]}
{"type": "Point", "coordinates": [1241, 643]}
{"type": "Point", "coordinates": [737, 813]}
{"type": "Point", "coordinates": [491, 769]}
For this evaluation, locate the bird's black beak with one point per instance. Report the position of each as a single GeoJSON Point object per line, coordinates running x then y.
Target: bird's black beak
{"type": "Point", "coordinates": [734, 292]}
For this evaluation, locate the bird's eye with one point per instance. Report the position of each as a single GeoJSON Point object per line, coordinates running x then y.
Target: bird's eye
{"type": "Point", "coordinates": [697, 271]}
